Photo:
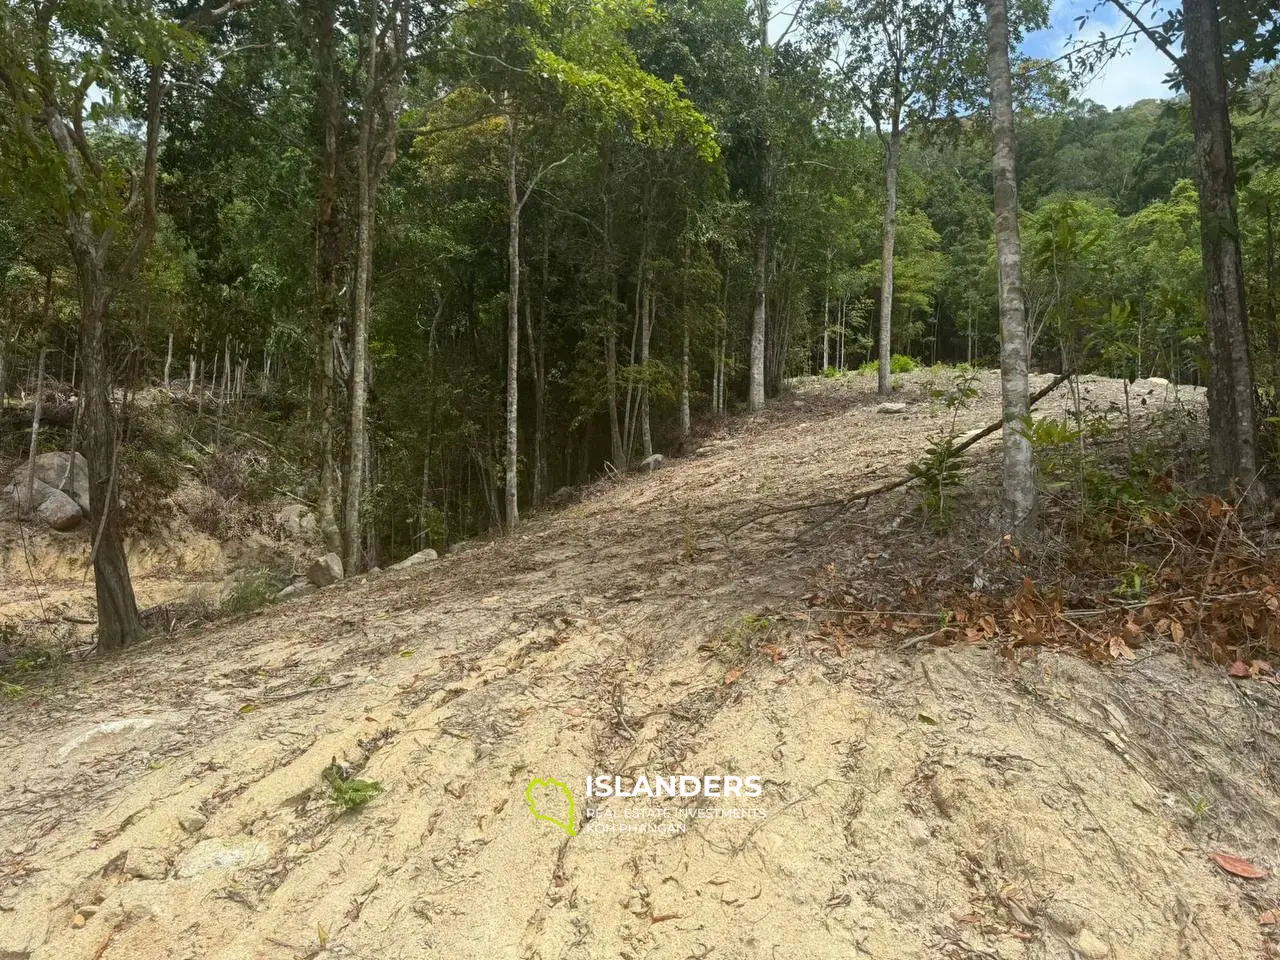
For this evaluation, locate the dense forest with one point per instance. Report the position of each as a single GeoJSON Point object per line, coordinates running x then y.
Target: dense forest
{"type": "Point", "coordinates": [451, 258]}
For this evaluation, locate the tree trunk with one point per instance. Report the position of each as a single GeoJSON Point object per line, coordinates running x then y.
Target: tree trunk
{"type": "Point", "coordinates": [35, 434]}
{"type": "Point", "coordinates": [118, 621]}
{"type": "Point", "coordinates": [826, 332]}
{"type": "Point", "coordinates": [611, 376]}
{"type": "Point", "coordinates": [360, 302]}
{"type": "Point", "coordinates": [893, 152]}
{"type": "Point", "coordinates": [646, 330]}
{"type": "Point", "coordinates": [1233, 459]}
{"type": "Point", "coordinates": [1019, 471]}
{"type": "Point", "coordinates": [759, 319]}
{"type": "Point", "coordinates": [513, 327]}
{"type": "Point", "coordinates": [168, 362]}
{"type": "Point", "coordinates": [685, 421]}
{"type": "Point", "coordinates": [328, 257]}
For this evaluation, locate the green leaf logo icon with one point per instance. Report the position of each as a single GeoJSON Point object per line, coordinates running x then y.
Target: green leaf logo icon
{"type": "Point", "coordinates": [549, 784]}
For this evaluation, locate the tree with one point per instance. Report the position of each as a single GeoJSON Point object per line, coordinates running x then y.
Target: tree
{"type": "Point", "coordinates": [50, 61]}
{"type": "Point", "coordinates": [1019, 470]}
{"type": "Point", "coordinates": [905, 63]}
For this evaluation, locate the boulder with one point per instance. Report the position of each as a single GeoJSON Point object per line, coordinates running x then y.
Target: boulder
{"type": "Point", "coordinates": [297, 522]}
{"type": "Point", "coordinates": [651, 463]}
{"type": "Point", "coordinates": [59, 511]}
{"type": "Point", "coordinates": [325, 570]}
{"type": "Point", "coordinates": [892, 408]}
{"type": "Point", "coordinates": [299, 589]}
{"type": "Point", "coordinates": [40, 492]}
{"type": "Point", "coordinates": [422, 556]}
{"type": "Point", "coordinates": [63, 471]}
{"type": "Point", "coordinates": [1158, 381]}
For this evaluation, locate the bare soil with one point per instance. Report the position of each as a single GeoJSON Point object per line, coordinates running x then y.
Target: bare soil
{"type": "Point", "coordinates": [962, 802]}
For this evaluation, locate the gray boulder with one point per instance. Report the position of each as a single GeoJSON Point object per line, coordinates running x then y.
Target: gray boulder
{"type": "Point", "coordinates": [40, 492]}
{"type": "Point", "coordinates": [59, 511]}
{"type": "Point", "coordinates": [422, 556]}
{"type": "Point", "coordinates": [62, 471]}
{"type": "Point", "coordinates": [299, 589]}
{"type": "Point", "coordinates": [892, 408]}
{"type": "Point", "coordinates": [651, 463]}
{"type": "Point", "coordinates": [297, 522]}
{"type": "Point", "coordinates": [325, 570]}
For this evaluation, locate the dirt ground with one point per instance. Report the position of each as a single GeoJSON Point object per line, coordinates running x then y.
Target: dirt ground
{"type": "Point", "coordinates": [956, 803]}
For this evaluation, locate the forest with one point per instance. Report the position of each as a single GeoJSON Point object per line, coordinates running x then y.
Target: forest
{"type": "Point", "coordinates": [450, 259]}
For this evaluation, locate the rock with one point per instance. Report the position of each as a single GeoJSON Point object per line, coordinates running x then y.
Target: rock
{"type": "Point", "coordinates": [219, 854]}
{"type": "Point", "coordinates": [147, 863]}
{"type": "Point", "coordinates": [703, 452]}
{"type": "Point", "coordinates": [462, 546]}
{"type": "Point", "coordinates": [297, 522]}
{"type": "Point", "coordinates": [63, 471]}
{"type": "Point", "coordinates": [111, 728]}
{"type": "Point", "coordinates": [59, 511]}
{"type": "Point", "coordinates": [1158, 381]}
{"type": "Point", "coordinates": [563, 497]}
{"type": "Point", "coordinates": [422, 556]}
{"type": "Point", "coordinates": [1090, 945]}
{"type": "Point", "coordinates": [652, 463]}
{"type": "Point", "coordinates": [892, 408]}
{"type": "Point", "coordinates": [325, 570]}
{"type": "Point", "coordinates": [192, 822]}
{"type": "Point", "coordinates": [299, 589]}
{"type": "Point", "coordinates": [17, 491]}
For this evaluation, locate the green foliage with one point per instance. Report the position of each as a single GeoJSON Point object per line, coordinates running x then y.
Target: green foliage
{"type": "Point", "coordinates": [940, 468]}
{"type": "Point", "coordinates": [349, 794]}
{"type": "Point", "coordinates": [898, 363]}
{"type": "Point", "coordinates": [254, 590]}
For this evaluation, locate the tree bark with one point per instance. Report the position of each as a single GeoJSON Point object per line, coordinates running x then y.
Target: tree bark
{"type": "Point", "coordinates": [168, 362]}
{"type": "Point", "coordinates": [646, 331]}
{"type": "Point", "coordinates": [358, 391]}
{"type": "Point", "coordinates": [328, 257]}
{"type": "Point", "coordinates": [685, 420]}
{"type": "Point", "coordinates": [1019, 471]}
{"type": "Point", "coordinates": [1233, 457]}
{"type": "Point", "coordinates": [513, 327]}
{"type": "Point", "coordinates": [759, 319]}
{"type": "Point", "coordinates": [35, 433]}
{"type": "Point", "coordinates": [893, 149]}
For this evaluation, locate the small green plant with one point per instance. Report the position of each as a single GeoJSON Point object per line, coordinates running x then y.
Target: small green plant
{"type": "Point", "coordinates": [253, 592]}
{"type": "Point", "coordinates": [832, 373]}
{"type": "Point", "coordinates": [736, 644]}
{"type": "Point", "coordinates": [940, 468]}
{"type": "Point", "coordinates": [346, 792]}
{"type": "Point", "coordinates": [12, 690]}
{"type": "Point", "coordinates": [1135, 580]}
{"type": "Point", "coordinates": [1198, 806]}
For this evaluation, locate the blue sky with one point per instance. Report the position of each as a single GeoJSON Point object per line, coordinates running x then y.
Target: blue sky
{"type": "Point", "coordinates": [1136, 76]}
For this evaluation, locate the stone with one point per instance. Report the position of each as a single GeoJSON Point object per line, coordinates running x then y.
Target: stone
{"type": "Point", "coordinates": [66, 472]}
{"type": "Point", "coordinates": [192, 822]}
{"type": "Point", "coordinates": [110, 728]}
{"type": "Point", "coordinates": [1089, 944]}
{"type": "Point", "coordinates": [892, 408]}
{"type": "Point", "coordinates": [59, 511]}
{"type": "Point", "coordinates": [297, 522]}
{"type": "Point", "coordinates": [422, 556]}
{"type": "Point", "coordinates": [652, 463]}
{"type": "Point", "coordinates": [40, 491]}
{"type": "Point", "coordinates": [325, 570]}
{"type": "Point", "coordinates": [1158, 381]}
{"type": "Point", "coordinates": [147, 863]}
{"type": "Point", "coordinates": [462, 546]}
{"type": "Point", "coordinates": [219, 854]}
{"type": "Point", "coordinates": [299, 589]}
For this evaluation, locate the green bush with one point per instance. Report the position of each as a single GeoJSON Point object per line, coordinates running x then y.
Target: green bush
{"type": "Point", "coordinates": [257, 589]}
{"type": "Point", "coordinates": [898, 363]}
{"type": "Point", "coordinates": [832, 373]}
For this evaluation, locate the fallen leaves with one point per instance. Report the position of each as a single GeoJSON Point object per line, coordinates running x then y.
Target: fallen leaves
{"type": "Point", "coordinates": [733, 675]}
{"type": "Point", "coordinates": [1239, 867]}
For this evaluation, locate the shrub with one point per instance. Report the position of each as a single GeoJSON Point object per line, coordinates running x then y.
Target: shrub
{"type": "Point", "coordinates": [253, 592]}
{"type": "Point", "coordinates": [898, 363]}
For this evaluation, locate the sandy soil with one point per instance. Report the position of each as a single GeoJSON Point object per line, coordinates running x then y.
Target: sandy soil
{"type": "Point", "coordinates": [957, 803]}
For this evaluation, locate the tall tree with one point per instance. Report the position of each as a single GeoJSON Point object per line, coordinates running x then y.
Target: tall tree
{"type": "Point", "coordinates": [50, 62]}
{"type": "Point", "coordinates": [1019, 471]}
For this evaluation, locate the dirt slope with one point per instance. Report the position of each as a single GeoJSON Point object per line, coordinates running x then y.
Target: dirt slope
{"type": "Point", "coordinates": [170, 803]}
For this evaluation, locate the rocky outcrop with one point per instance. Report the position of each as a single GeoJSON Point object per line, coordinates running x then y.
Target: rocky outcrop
{"type": "Point", "coordinates": [422, 556]}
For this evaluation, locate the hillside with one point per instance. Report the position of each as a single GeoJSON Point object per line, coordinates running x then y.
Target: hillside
{"type": "Point", "coordinates": [959, 802]}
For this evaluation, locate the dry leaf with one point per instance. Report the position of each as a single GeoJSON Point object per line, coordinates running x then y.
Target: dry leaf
{"type": "Point", "coordinates": [1241, 868]}
{"type": "Point", "coordinates": [1269, 918]}
{"type": "Point", "coordinates": [733, 675]}
{"type": "Point", "coordinates": [1239, 669]}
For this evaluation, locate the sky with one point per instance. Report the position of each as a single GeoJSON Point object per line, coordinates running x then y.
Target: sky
{"type": "Point", "coordinates": [1136, 76]}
